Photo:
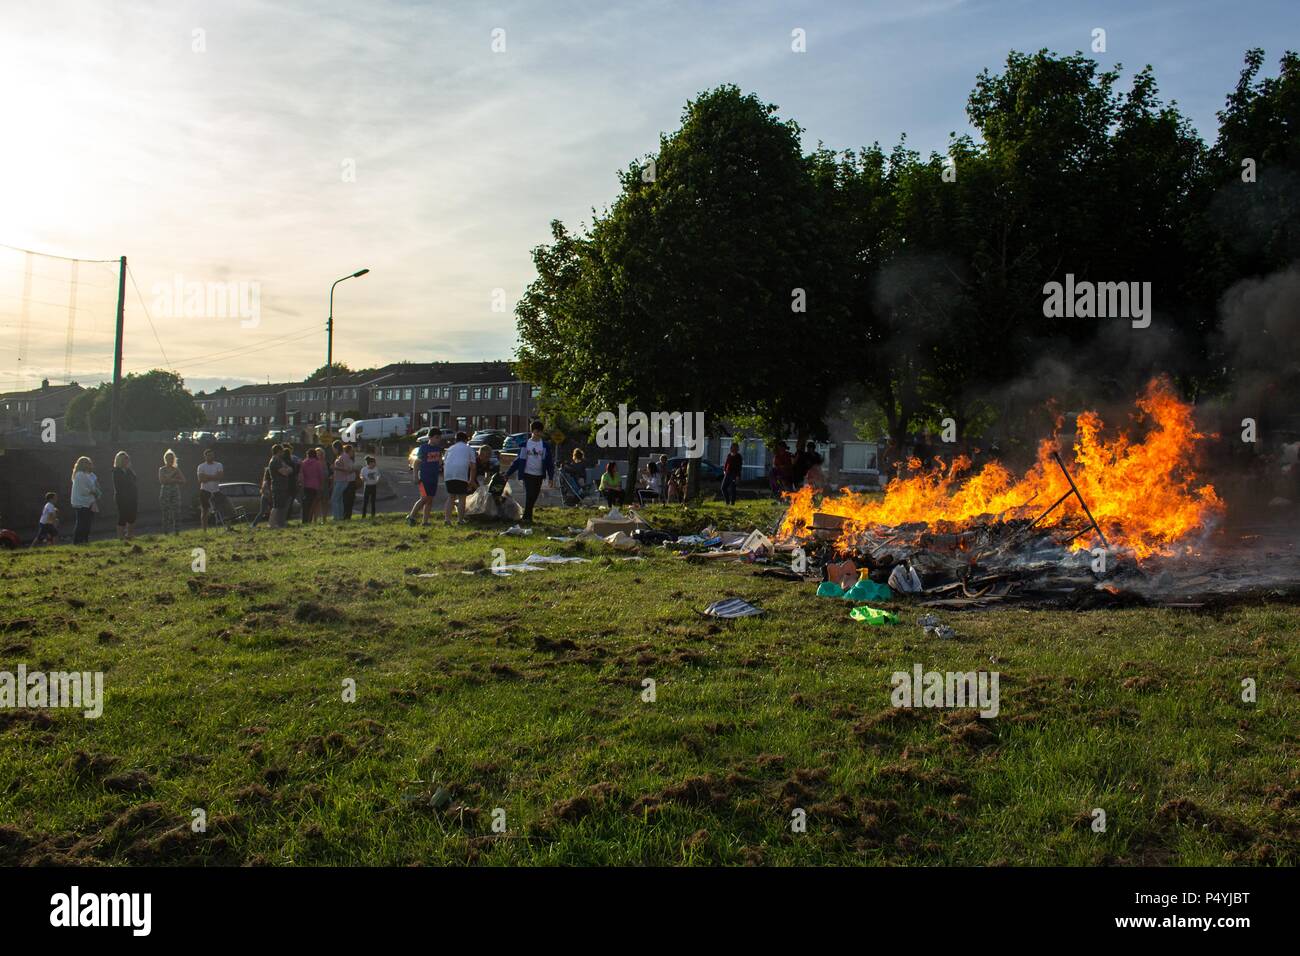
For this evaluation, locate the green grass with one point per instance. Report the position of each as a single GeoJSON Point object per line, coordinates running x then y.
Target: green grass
{"type": "Point", "coordinates": [222, 700]}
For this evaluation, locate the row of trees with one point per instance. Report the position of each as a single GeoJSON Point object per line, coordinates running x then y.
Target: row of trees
{"type": "Point", "coordinates": [738, 275]}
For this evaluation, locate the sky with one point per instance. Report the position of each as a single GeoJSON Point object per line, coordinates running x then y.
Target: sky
{"type": "Point", "coordinates": [257, 151]}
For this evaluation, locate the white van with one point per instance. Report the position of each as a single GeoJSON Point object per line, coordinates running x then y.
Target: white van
{"type": "Point", "coordinates": [374, 429]}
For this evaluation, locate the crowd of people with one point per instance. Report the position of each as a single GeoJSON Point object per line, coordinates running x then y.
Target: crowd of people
{"type": "Point", "coordinates": [329, 478]}
{"type": "Point", "coordinates": [322, 477]}
{"type": "Point", "coordinates": [465, 470]}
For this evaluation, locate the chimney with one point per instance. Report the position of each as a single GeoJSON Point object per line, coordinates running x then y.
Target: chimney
{"type": "Point", "coordinates": [45, 384]}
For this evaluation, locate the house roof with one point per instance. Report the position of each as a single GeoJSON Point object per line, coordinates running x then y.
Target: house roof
{"type": "Point", "coordinates": [445, 373]}
{"type": "Point", "coordinates": [45, 392]}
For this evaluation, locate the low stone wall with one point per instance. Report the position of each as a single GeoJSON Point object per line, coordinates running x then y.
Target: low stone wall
{"type": "Point", "coordinates": [26, 474]}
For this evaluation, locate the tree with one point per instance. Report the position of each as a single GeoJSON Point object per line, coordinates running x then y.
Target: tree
{"type": "Point", "coordinates": [1258, 221]}
{"type": "Point", "coordinates": [340, 369]}
{"type": "Point", "coordinates": [683, 295]}
{"type": "Point", "coordinates": [153, 401]}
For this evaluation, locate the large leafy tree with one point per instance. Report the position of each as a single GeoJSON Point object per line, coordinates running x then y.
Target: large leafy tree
{"type": "Point", "coordinates": [1258, 222]}
{"type": "Point", "coordinates": [705, 287]}
{"type": "Point", "coordinates": [153, 401]}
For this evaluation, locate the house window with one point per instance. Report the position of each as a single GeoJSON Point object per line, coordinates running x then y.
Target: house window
{"type": "Point", "coordinates": [424, 393]}
{"type": "Point", "coordinates": [462, 394]}
{"type": "Point", "coordinates": [406, 394]}
{"type": "Point", "coordinates": [503, 421]}
{"type": "Point", "coordinates": [478, 394]}
{"type": "Point", "coordinates": [860, 456]}
{"type": "Point", "coordinates": [503, 391]}
{"type": "Point", "coordinates": [461, 423]}
{"type": "Point", "coordinates": [537, 390]}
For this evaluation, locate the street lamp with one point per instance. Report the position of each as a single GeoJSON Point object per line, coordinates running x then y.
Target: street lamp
{"type": "Point", "coordinates": [329, 352]}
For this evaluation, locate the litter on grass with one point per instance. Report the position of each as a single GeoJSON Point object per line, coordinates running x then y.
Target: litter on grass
{"type": "Point", "coordinates": [864, 590]}
{"type": "Point", "coordinates": [905, 579]}
{"type": "Point", "coordinates": [554, 559]}
{"type": "Point", "coordinates": [933, 627]}
{"type": "Point", "coordinates": [732, 607]}
{"type": "Point", "coordinates": [873, 615]}
{"type": "Point", "coordinates": [515, 531]}
{"type": "Point", "coordinates": [535, 562]}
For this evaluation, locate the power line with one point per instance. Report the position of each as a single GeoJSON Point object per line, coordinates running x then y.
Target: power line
{"type": "Point", "coordinates": [227, 354]}
{"type": "Point", "coordinates": [49, 255]}
{"type": "Point", "coordinates": [148, 317]}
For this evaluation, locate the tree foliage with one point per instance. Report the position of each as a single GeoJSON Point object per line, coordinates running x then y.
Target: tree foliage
{"type": "Point", "coordinates": [152, 401]}
{"type": "Point", "coordinates": [923, 277]}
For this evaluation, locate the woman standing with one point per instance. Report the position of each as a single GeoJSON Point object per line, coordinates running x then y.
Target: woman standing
{"type": "Point", "coordinates": [170, 479]}
{"type": "Point", "coordinates": [126, 495]}
{"type": "Point", "coordinates": [84, 498]}
{"type": "Point", "coordinates": [312, 474]}
{"type": "Point", "coordinates": [344, 474]}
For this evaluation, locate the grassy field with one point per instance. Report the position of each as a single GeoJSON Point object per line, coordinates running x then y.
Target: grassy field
{"type": "Point", "coordinates": [224, 692]}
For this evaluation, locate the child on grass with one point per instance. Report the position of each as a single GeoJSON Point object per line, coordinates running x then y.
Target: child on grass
{"type": "Point", "coordinates": [48, 529]}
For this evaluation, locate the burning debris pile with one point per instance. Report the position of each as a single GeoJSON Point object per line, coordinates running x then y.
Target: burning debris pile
{"type": "Point", "coordinates": [1125, 519]}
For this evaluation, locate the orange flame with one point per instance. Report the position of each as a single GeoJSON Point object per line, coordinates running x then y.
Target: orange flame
{"type": "Point", "coordinates": [1143, 492]}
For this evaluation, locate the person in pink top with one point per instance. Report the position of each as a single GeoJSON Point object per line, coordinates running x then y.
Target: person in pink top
{"type": "Point", "coordinates": [312, 475]}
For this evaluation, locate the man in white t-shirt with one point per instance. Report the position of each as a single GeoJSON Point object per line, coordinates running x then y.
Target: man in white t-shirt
{"type": "Point", "coordinates": [459, 464]}
{"type": "Point", "coordinates": [209, 474]}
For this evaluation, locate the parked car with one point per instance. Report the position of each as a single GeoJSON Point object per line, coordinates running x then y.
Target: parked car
{"type": "Point", "coordinates": [247, 495]}
{"type": "Point", "coordinates": [183, 436]}
{"type": "Point", "coordinates": [493, 437]}
{"type": "Point", "coordinates": [708, 470]}
{"type": "Point", "coordinates": [515, 442]}
{"type": "Point", "coordinates": [222, 436]}
{"type": "Point", "coordinates": [278, 435]}
{"type": "Point", "coordinates": [202, 436]}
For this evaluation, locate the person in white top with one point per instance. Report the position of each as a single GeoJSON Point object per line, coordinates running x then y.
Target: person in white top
{"type": "Point", "coordinates": [459, 464]}
{"type": "Point", "coordinates": [84, 498]}
{"type": "Point", "coordinates": [370, 479]}
{"type": "Point", "coordinates": [48, 529]}
{"type": "Point", "coordinates": [535, 463]}
{"type": "Point", "coordinates": [209, 475]}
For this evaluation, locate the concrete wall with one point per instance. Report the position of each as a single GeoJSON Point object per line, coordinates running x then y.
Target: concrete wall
{"type": "Point", "coordinates": [26, 474]}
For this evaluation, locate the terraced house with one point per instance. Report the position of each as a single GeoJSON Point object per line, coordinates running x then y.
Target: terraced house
{"type": "Point", "coordinates": [21, 413]}
{"type": "Point", "coordinates": [244, 412]}
{"type": "Point", "coordinates": [459, 395]}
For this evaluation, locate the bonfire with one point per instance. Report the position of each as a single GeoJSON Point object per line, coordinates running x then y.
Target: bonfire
{"type": "Point", "coordinates": [1135, 489]}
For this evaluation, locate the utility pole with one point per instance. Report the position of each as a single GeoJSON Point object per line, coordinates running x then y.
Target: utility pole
{"type": "Point", "coordinates": [117, 347]}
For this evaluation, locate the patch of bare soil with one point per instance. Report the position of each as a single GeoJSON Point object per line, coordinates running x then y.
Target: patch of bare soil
{"type": "Point", "coordinates": [143, 834]}
{"type": "Point", "coordinates": [25, 718]}
{"type": "Point", "coordinates": [309, 612]}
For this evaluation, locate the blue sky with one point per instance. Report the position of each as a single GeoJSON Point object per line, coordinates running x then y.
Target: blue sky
{"type": "Point", "coordinates": [221, 156]}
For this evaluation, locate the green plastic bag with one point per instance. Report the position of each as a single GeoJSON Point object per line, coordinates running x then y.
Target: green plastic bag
{"type": "Point", "coordinates": [873, 615]}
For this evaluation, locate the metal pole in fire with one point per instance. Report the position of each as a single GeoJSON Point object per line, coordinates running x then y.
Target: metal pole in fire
{"type": "Point", "coordinates": [1096, 527]}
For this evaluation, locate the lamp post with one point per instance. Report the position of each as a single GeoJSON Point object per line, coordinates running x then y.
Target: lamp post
{"type": "Point", "coordinates": [329, 352]}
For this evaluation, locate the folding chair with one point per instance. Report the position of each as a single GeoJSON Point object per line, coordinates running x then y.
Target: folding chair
{"type": "Point", "coordinates": [580, 497]}
{"type": "Point", "coordinates": [648, 494]}
{"type": "Point", "coordinates": [226, 514]}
